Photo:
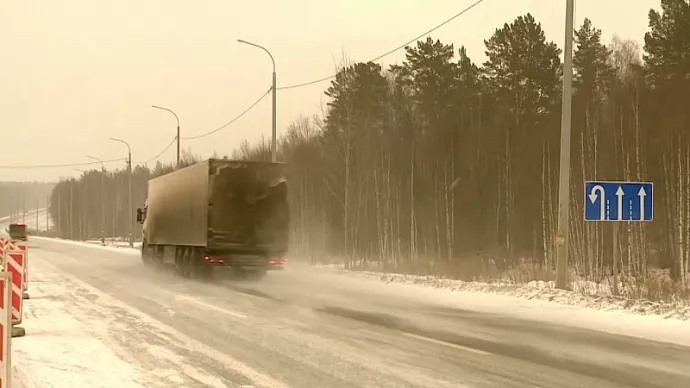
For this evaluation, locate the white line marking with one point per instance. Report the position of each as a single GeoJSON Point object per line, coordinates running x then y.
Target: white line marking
{"type": "Point", "coordinates": [185, 298]}
{"type": "Point", "coordinates": [439, 342]}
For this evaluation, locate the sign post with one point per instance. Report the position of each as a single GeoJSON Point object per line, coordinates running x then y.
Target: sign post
{"type": "Point", "coordinates": [616, 202]}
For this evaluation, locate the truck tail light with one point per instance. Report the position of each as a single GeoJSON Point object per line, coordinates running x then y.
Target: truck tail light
{"type": "Point", "coordinates": [279, 260]}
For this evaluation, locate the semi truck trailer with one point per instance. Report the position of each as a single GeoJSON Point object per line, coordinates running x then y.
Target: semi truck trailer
{"type": "Point", "coordinates": [217, 213]}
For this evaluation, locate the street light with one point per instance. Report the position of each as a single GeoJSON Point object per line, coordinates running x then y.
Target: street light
{"type": "Point", "coordinates": [273, 89]}
{"type": "Point", "coordinates": [564, 178]}
{"type": "Point", "coordinates": [129, 165]}
{"type": "Point", "coordinates": [178, 130]}
{"type": "Point", "coordinates": [102, 198]}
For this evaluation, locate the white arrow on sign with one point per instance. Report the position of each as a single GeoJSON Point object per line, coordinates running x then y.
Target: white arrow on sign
{"type": "Point", "coordinates": [619, 194]}
{"type": "Point", "coordinates": [602, 204]}
{"type": "Point", "coordinates": [642, 194]}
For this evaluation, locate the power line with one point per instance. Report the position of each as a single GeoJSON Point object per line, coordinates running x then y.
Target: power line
{"type": "Point", "coordinates": [467, 9]}
{"type": "Point", "coordinates": [231, 121]}
{"type": "Point", "coordinates": [87, 163]}
{"type": "Point", "coordinates": [387, 53]}
{"type": "Point", "coordinates": [462, 12]}
{"type": "Point", "coordinates": [160, 153]}
{"type": "Point", "coordinates": [61, 165]}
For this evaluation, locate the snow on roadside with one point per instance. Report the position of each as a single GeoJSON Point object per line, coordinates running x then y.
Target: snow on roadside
{"type": "Point", "coordinates": [124, 248]}
{"type": "Point", "coordinates": [116, 242]}
{"type": "Point", "coordinates": [78, 336]}
{"type": "Point", "coordinates": [58, 351]}
{"type": "Point", "coordinates": [535, 290]}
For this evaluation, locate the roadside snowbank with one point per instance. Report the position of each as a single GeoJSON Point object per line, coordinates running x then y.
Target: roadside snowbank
{"type": "Point", "coordinates": [123, 248]}
{"type": "Point", "coordinates": [58, 350]}
{"type": "Point", "coordinates": [535, 290]}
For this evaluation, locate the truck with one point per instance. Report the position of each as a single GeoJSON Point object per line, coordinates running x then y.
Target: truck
{"type": "Point", "coordinates": [17, 231]}
{"type": "Point", "coordinates": [217, 213]}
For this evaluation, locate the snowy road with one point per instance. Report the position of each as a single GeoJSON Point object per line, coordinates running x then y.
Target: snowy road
{"type": "Point", "coordinates": [99, 318]}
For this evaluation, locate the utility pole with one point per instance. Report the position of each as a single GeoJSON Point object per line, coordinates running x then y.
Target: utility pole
{"type": "Point", "coordinates": [564, 178]}
{"type": "Point", "coordinates": [103, 172]}
{"type": "Point", "coordinates": [129, 210]}
{"type": "Point", "coordinates": [71, 202]}
{"type": "Point", "coordinates": [47, 213]}
{"type": "Point", "coordinates": [85, 217]}
{"type": "Point", "coordinates": [37, 228]}
{"type": "Point", "coordinates": [59, 213]}
{"type": "Point", "coordinates": [129, 168]}
{"type": "Point", "coordinates": [82, 219]}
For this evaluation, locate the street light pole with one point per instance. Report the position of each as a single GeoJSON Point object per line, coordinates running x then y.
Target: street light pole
{"type": "Point", "coordinates": [129, 167]}
{"type": "Point", "coordinates": [564, 178]}
{"type": "Point", "coordinates": [102, 199]}
{"type": "Point", "coordinates": [178, 130]}
{"type": "Point", "coordinates": [274, 90]}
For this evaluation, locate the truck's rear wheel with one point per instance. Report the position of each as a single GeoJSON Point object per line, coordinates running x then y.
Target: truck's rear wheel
{"type": "Point", "coordinates": [183, 262]}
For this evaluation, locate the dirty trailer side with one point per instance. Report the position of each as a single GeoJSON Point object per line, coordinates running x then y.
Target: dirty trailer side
{"type": "Point", "coordinates": [217, 213]}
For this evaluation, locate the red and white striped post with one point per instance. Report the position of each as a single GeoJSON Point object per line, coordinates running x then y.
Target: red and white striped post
{"type": "Point", "coordinates": [22, 246]}
{"type": "Point", "coordinates": [14, 263]}
{"type": "Point", "coordinates": [3, 243]}
{"type": "Point", "coordinates": [5, 330]}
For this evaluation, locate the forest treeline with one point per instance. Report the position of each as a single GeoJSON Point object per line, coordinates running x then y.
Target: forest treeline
{"type": "Point", "coordinates": [441, 165]}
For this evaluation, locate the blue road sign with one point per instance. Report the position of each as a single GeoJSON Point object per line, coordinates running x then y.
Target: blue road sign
{"type": "Point", "coordinates": [618, 201]}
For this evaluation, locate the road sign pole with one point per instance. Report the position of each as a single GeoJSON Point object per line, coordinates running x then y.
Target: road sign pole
{"type": "Point", "coordinates": [614, 256]}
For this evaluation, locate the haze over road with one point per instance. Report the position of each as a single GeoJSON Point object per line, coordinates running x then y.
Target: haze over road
{"type": "Point", "coordinates": [308, 328]}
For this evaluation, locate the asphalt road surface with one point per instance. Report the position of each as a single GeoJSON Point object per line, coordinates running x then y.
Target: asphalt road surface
{"type": "Point", "coordinates": [308, 328]}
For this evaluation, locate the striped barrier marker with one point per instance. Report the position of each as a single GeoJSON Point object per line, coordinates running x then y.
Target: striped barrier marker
{"type": "Point", "coordinates": [5, 330]}
{"type": "Point", "coordinates": [5, 245]}
{"type": "Point", "coordinates": [3, 242]}
{"type": "Point", "coordinates": [22, 246]}
{"type": "Point", "coordinates": [14, 264]}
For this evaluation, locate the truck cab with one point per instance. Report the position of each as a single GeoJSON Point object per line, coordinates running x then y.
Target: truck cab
{"type": "Point", "coordinates": [141, 214]}
{"type": "Point", "coordinates": [141, 219]}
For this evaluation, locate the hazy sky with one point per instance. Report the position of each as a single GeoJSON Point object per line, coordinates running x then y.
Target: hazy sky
{"type": "Point", "coordinates": [76, 72]}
